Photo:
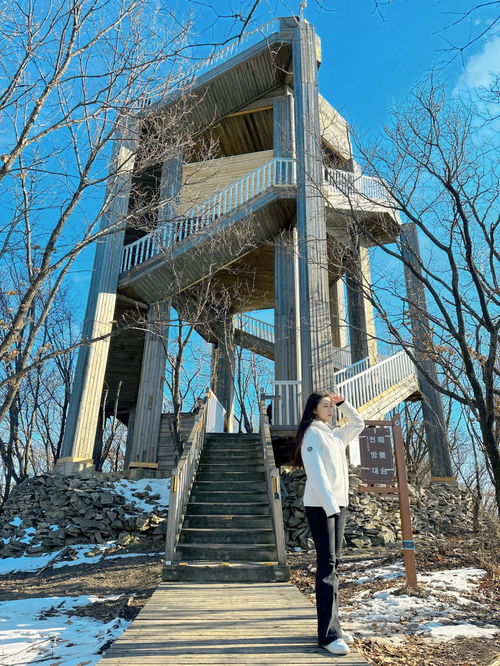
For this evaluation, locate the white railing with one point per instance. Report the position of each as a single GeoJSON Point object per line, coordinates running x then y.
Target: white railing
{"type": "Point", "coordinates": [359, 389]}
{"type": "Point", "coordinates": [351, 184]}
{"type": "Point", "coordinates": [287, 405]}
{"type": "Point", "coordinates": [256, 327]}
{"type": "Point", "coordinates": [249, 38]}
{"type": "Point", "coordinates": [277, 172]}
{"type": "Point", "coordinates": [350, 371]}
{"type": "Point", "coordinates": [342, 357]}
{"type": "Point", "coordinates": [215, 414]}
{"type": "Point", "coordinates": [370, 383]}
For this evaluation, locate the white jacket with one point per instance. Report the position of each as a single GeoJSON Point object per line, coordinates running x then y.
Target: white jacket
{"type": "Point", "coordinates": [325, 464]}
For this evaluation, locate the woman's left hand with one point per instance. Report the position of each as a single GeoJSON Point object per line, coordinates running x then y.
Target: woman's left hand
{"type": "Point", "coordinates": [336, 398]}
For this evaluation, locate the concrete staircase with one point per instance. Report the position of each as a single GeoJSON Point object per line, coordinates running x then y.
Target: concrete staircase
{"type": "Point", "coordinates": [227, 533]}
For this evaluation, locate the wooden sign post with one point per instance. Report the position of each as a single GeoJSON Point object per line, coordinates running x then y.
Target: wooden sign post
{"type": "Point", "coordinates": [379, 471]}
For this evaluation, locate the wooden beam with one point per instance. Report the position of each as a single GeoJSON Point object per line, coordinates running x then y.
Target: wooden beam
{"type": "Point", "coordinates": [245, 111]}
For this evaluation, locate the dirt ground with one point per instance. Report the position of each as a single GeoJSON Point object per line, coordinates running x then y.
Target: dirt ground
{"type": "Point", "coordinates": [135, 579]}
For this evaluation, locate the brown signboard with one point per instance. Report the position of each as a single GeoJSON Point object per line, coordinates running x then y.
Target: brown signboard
{"type": "Point", "coordinates": [377, 460]}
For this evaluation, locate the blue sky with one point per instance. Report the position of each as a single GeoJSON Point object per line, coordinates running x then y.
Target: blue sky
{"type": "Point", "coordinates": [373, 57]}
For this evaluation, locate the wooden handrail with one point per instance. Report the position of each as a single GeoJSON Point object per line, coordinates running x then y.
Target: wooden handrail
{"type": "Point", "coordinates": [273, 482]}
{"type": "Point", "coordinates": [183, 477]}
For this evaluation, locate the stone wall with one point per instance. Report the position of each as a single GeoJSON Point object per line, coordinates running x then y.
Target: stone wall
{"type": "Point", "coordinates": [374, 517]}
{"type": "Point", "coordinates": [49, 512]}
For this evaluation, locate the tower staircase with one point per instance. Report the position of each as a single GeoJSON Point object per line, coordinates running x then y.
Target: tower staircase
{"type": "Point", "coordinates": [225, 520]}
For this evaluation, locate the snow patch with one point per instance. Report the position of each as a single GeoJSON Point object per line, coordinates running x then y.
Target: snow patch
{"type": "Point", "coordinates": [43, 629]}
{"type": "Point", "coordinates": [438, 616]}
{"type": "Point", "coordinates": [128, 489]}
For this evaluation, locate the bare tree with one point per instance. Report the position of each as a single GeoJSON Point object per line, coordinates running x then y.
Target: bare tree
{"type": "Point", "coordinates": [438, 169]}
{"type": "Point", "coordinates": [77, 76]}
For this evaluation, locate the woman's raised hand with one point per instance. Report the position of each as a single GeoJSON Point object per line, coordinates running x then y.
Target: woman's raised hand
{"type": "Point", "coordinates": [336, 398]}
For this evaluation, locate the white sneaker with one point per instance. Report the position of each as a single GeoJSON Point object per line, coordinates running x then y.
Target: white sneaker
{"type": "Point", "coordinates": [347, 638]}
{"type": "Point", "coordinates": [338, 647]}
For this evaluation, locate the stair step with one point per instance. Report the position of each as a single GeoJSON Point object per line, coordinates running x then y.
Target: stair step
{"type": "Point", "coordinates": [232, 437]}
{"type": "Point", "coordinates": [224, 521]}
{"type": "Point", "coordinates": [233, 446]}
{"type": "Point", "coordinates": [217, 484]}
{"type": "Point", "coordinates": [209, 473]}
{"type": "Point", "coordinates": [237, 456]}
{"type": "Point", "coordinates": [228, 508]}
{"type": "Point", "coordinates": [236, 535]}
{"type": "Point", "coordinates": [257, 552]}
{"type": "Point", "coordinates": [234, 572]}
{"type": "Point", "coordinates": [237, 496]}
{"type": "Point", "coordinates": [222, 467]}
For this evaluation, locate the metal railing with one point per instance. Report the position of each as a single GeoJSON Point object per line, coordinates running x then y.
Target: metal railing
{"type": "Point", "coordinates": [184, 474]}
{"type": "Point", "coordinates": [277, 172]}
{"type": "Point", "coordinates": [359, 389]}
{"type": "Point", "coordinates": [351, 185]}
{"type": "Point", "coordinates": [273, 482]}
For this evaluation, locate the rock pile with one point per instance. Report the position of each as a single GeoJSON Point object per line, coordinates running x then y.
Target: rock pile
{"type": "Point", "coordinates": [49, 512]}
{"type": "Point", "coordinates": [374, 517]}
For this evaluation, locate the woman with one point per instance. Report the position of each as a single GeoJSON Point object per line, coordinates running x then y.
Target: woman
{"type": "Point", "coordinates": [320, 449]}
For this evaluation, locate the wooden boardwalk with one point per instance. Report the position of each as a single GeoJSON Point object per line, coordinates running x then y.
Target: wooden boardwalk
{"type": "Point", "coordinates": [225, 623]}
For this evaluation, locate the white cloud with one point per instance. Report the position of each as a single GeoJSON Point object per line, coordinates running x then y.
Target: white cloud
{"type": "Point", "coordinates": [482, 67]}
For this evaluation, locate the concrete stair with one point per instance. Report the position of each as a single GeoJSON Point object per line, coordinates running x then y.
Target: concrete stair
{"type": "Point", "coordinates": [227, 534]}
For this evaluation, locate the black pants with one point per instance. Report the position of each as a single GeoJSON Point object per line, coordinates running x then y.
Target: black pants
{"type": "Point", "coordinates": [327, 534]}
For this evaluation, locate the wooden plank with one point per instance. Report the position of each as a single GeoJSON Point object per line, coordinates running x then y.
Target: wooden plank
{"type": "Point", "coordinates": [192, 623]}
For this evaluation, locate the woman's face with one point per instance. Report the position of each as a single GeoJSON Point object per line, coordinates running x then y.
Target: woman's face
{"type": "Point", "coordinates": [324, 410]}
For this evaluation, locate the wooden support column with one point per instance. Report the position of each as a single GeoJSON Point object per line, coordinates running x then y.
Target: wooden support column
{"type": "Point", "coordinates": [147, 419]}
{"type": "Point", "coordinates": [283, 126]}
{"type": "Point", "coordinates": [338, 314]}
{"type": "Point", "coordinates": [170, 185]}
{"type": "Point", "coordinates": [84, 407]}
{"type": "Point", "coordinates": [432, 406]}
{"type": "Point", "coordinates": [286, 280]}
{"type": "Point", "coordinates": [371, 332]}
{"type": "Point", "coordinates": [223, 365]}
{"type": "Point", "coordinates": [356, 307]}
{"type": "Point", "coordinates": [315, 326]}
{"type": "Point", "coordinates": [286, 307]}
{"type": "Point", "coordinates": [130, 437]}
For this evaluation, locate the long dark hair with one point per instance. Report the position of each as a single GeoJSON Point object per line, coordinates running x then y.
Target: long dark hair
{"type": "Point", "coordinates": [307, 418]}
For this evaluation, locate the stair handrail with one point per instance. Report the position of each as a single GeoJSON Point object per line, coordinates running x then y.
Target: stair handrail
{"type": "Point", "coordinates": [272, 481]}
{"type": "Point", "coordinates": [183, 476]}
{"type": "Point", "coordinates": [367, 384]}
{"type": "Point", "coordinates": [256, 327]}
{"type": "Point", "coordinates": [351, 184]}
{"type": "Point", "coordinates": [351, 370]}
{"type": "Point", "coordinates": [370, 383]}
{"type": "Point", "coordinates": [278, 172]}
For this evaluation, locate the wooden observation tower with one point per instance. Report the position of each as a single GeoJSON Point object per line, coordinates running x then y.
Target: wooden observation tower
{"type": "Point", "coordinates": [268, 221]}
